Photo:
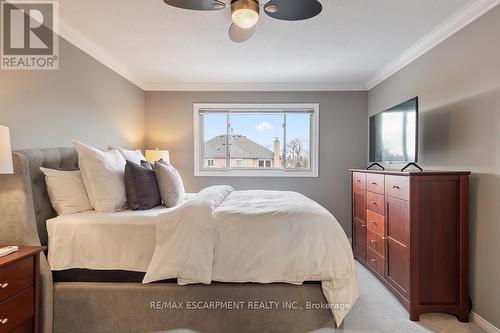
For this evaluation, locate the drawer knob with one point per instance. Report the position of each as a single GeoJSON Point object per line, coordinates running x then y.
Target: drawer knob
{"type": "Point", "coordinates": [396, 187]}
{"type": "Point", "coordinates": [363, 225]}
{"type": "Point", "coordinates": [374, 183]}
{"type": "Point", "coordinates": [373, 241]}
{"type": "Point", "coordinates": [373, 260]}
{"type": "Point", "coordinates": [5, 285]}
{"type": "Point", "coordinates": [358, 180]}
{"type": "Point", "coordinates": [373, 203]}
{"type": "Point", "coordinates": [373, 222]}
{"type": "Point", "coordinates": [4, 321]}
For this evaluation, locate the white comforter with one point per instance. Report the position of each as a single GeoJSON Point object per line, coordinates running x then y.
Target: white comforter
{"type": "Point", "coordinates": [255, 236]}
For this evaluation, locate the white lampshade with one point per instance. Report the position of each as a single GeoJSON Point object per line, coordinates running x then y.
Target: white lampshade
{"type": "Point", "coordinates": [5, 151]}
{"type": "Point", "coordinates": [157, 154]}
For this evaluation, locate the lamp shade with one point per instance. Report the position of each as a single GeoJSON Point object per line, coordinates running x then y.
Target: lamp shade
{"type": "Point", "coordinates": [157, 154]}
{"type": "Point", "coordinates": [5, 151]}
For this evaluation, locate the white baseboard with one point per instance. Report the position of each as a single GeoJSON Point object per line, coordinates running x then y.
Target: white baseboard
{"type": "Point", "coordinates": [483, 323]}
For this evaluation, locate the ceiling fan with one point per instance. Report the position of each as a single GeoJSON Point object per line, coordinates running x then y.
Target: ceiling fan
{"type": "Point", "coordinates": [245, 13]}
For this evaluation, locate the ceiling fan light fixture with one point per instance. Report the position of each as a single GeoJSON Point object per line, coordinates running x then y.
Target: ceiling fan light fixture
{"type": "Point", "coordinates": [245, 13]}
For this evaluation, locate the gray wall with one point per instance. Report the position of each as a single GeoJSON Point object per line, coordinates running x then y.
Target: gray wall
{"type": "Point", "coordinates": [169, 120]}
{"type": "Point", "coordinates": [458, 83]}
{"type": "Point", "coordinates": [83, 100]}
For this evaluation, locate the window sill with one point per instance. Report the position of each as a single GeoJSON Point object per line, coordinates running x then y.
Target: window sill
{"type": "Point", "coordinates": [256, 173]}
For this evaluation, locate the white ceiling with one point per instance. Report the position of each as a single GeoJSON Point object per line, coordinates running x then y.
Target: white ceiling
{"type": "Point", "coordinates": [351, 42]}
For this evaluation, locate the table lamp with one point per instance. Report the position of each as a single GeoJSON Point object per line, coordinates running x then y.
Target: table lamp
{"type": "Point", "coordinates": [157, 154]}
{"type": "Point", "coordinates": [6, 166]}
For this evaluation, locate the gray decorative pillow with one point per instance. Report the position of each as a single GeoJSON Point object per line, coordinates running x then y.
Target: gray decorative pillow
{"type": "Point", "coordinates": [141, 187]}
{"type": "Point", "coordinates": [170, 184]}
{"type": "Point", "coordinates": [150, 165]}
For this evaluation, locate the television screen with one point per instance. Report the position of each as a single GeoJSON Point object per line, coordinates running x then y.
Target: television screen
{"type": "Point", "coordinates": [393, 134]}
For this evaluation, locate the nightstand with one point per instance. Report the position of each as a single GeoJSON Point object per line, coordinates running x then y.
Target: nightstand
{"type": "Point", "coordinates": [20, 290]}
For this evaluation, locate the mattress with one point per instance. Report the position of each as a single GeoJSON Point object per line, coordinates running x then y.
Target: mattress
{"type": "Point", "coordinates": [123, 240]}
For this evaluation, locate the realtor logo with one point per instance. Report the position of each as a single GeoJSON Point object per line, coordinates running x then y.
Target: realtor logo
{"type": "Point", "coordinates": [29, 39]}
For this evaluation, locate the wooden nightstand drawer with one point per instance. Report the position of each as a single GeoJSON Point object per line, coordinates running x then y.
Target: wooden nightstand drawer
{"type": "Point", "coordinates": [17, 310]}
{"type": "Point", "coordinates": [15, 277]}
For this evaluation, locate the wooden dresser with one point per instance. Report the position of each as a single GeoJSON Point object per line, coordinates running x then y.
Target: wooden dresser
{"type": "Point", "coordinates": [19, 290]}
{"type": "Point", "coordinates": [410, 229]}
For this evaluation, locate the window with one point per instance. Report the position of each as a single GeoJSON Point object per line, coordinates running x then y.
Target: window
{"type": "Point", "coordinates": [264, 163]}
{"type": "Point", "coordinates": [256, 140]}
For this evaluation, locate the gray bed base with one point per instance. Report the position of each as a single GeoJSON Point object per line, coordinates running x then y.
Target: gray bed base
{"type": "Point", "coordinates": [133, 307]}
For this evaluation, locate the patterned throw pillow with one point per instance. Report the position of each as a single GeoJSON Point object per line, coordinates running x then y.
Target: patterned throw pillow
{"type": "Point", "coordinates": [147, 165]}
{"type": "Point", "coordinates": [142, 189]}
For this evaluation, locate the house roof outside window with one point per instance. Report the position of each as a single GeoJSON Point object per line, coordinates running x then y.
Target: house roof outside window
{"type": "Point", "coordinates": [239, 147]}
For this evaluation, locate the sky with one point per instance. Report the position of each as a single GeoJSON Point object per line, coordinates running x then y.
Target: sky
{"type": "Point", "coordinates": [260, 128]}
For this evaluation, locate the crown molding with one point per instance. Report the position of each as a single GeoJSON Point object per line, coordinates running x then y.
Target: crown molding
{"type": "Point", "coordinates": [239, 86]}
{"type": "Point", "coordinates": [463, 17]}
{"type": "Point", "coordinates": [89, 47]}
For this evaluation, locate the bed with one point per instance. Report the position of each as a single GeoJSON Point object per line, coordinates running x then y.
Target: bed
{"type": "Point", "coordinates": [123, 306]}
{"type": "Point", "coordinates": [103, 241]}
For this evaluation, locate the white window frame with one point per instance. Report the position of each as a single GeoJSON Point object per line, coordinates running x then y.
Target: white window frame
{"type": "Point", "coordinates": [313, 171]}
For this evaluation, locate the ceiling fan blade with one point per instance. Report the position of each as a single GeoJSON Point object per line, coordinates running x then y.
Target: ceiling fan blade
{"type": "Point", "coordinates": [197, 4]}
{"type": "Point", "coordinates": [293, 10]}
{"type": "Point", "coordinates": [240, 35]}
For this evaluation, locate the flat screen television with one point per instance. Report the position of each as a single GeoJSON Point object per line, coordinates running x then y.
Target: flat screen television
{"type": "Point", "coordinates": [394, 134]}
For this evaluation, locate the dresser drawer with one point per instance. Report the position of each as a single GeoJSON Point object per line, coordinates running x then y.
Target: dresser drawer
{"type": "Point", "coordinates": [376, 242]}
{"type": "Point", "coordinates": [375, 222]}
{"type": "Point", "coordinates": [26, 327]}
{"type": "Point", "coordinates": [397, 187]}
{"type": "Point", "coordinates": [375, 202]}
{"type": "Point", "coordinates": [376, 261]}
{"type": "Point", "coordinates": [359, 180]}
{"type": "Point", "coordinates": [17, 310]}
{"type": "Point", "coordinates": [16, 277]}
{"type": "Point", "coordinates": [375, 183]}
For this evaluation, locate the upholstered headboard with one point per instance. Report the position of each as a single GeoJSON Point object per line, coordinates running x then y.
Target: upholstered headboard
{"type": "Point", "coordinates": [53, 158]}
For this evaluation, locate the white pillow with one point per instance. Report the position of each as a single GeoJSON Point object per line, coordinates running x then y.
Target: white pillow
{"type": "Point", "coordinates": [103, 177]}
{"type": "Point", "coordinates": [134, 156]}
{"type": "Point", "coordinates": [170, 184]}
{"type": "Point", "coordinates": [66, 191]}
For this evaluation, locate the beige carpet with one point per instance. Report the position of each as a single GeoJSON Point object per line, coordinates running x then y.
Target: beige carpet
{"type": "Point", "coordinates": [376, 310]}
